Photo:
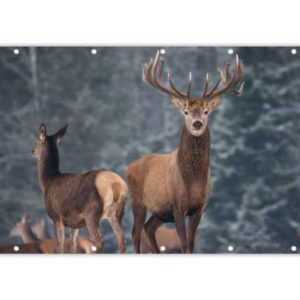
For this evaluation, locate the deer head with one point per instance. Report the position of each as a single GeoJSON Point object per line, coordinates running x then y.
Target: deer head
{"type": "Point", "coordinates": [20, 227]}
{"type": "Point", "coordinates": [47, 144]}
{"type": "Point", "coordinates": [196, 110]}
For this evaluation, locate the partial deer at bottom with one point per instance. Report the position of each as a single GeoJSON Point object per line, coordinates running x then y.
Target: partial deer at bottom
{"type": "Point", "coordinates": [30, 243]}
{"type": "Point", "coordinates": [78, 200]}
{"type": "Point", "coordinates": [76, 244]}
{"type": "Point", "coordinates": [36, 239]}
{"type": "Point", "coordinates": [167, 241]}
{"type": "Point", "coordinates": [175, 186]}
{"type": "Point", "coordinates": [23, 230]}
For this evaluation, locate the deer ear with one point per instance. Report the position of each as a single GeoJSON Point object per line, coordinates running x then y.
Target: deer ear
{"type": "Point", "coordinates": [60, 133]}
{"type": "Point", "coordinates": [25, 218]}
{"type": "Point", "coordinates": [214, 103]}
{"type": "Point", "coordinates": [42, 132]}
{"type": "Point", "coordinates": [179, 103]}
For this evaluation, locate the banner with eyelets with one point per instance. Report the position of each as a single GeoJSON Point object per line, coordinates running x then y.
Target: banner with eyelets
{"type": "Point", "coordinates": [149, 150]}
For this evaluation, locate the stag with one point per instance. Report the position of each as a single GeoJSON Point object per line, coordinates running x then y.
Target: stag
{"type": "Point", "coordinates": [174, 187]}
{"type": "Point", "coordinates": [78, 200]}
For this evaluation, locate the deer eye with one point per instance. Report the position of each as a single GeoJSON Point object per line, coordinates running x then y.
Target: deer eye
{"type": "Point", "coordinates": [206, 111]}
{"type": "Point", "coordinates": [185, 112]}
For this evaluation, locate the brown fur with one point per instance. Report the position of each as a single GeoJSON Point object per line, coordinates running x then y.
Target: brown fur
{"type": "Point", "coordinates": [168, 184]}
{"type": "Point", "coordinates": [23, 248]}
{"type": "Point", "coordinates": [193, 163]}
{"type": "Point", "coordinates": [42, 243]}
{"type": "Point", "coordinates": [49, 245]}
{"type": "Point", "coordinates": [167, 241]}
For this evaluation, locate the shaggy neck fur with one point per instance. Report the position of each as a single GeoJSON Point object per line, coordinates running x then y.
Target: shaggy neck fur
{"type": "Point", "coordinates": [48, 165]}
{"type": "Point", "coordinates": [193, 157]}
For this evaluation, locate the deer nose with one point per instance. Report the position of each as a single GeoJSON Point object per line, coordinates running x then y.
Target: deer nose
{"type": "Point", "coordinates": [197, 124]}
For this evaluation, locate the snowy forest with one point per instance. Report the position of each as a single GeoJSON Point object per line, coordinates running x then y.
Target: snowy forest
{"type": "Point", "coordinates": [115, 118]}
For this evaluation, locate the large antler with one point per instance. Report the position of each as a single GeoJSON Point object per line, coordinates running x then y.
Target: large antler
{"type": "Point", "coordinates": [231, 82]}
{"type": "Point", "coordinates": [152, 74]}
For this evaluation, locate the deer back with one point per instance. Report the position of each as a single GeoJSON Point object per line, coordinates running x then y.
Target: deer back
{"type": "Point", "coordinates": [71, 192]}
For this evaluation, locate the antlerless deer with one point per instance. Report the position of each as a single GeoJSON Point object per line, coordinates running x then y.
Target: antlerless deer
{"type": "Point", "coordinates": [78, 200]}
{"type": "Point", "coordinates": [36, 239]}
{"type": "Point", "coordinates": [175, 186]}
{"type": "Point", "coordinates": [23, 230]}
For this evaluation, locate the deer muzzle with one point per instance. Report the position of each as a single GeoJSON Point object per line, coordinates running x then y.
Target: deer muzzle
{"type": "Point", "coordinates": [197, 125]}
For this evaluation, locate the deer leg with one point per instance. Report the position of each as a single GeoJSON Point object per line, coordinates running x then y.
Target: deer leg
{"type": "Point", "coordinates": [181, 230]}
{"type": "Point", "coordinates": [150, 228]}
{"type": "Point", "coordinates": [139, 215]}
{"type": "Point", "coordinates": [194, 221]}
{"type": "Point", "coordinates": [60, 231]}
{"type": "Point", "coordinates": [118, 231]}
{"type": "Point", "coordinates": [75, 234]}
{"type": "Point", "coordinates": [94, 232]}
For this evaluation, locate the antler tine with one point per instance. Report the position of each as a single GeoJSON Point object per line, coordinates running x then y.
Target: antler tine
{"type": "Point", "coordinates": [237, 60]}
{"type": "Point", "coordinates": [147, 71]}
{"type": "Point", "coordinates": [239, 74]}
{"type": "Point", "coordinates": [206, 85]}
{"type": "Point", "coordinates": [162, 62]}
{"type": "Point", "coordinates": [214, 88]}
{"type": "Point", "coordinates": [152, 67]}
{"type": "Point", "coordinates": [240, 90]}
{"type": "Point", "coordinates": [145, 68]}
{"type": "Point", "coordinates": [239, 68]}
{"type": "Point", "coordinates": [189, 88]}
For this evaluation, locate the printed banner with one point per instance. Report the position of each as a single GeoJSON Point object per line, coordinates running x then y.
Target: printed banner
{"type": "Point", "coordinates": [149, 150]}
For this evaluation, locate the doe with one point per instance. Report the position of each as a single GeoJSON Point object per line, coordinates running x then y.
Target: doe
{"type": "Point", "coordinates": [78, 200]}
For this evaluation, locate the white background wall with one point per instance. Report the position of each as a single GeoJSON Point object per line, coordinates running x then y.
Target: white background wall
{"type": "Point", "coordinates": [149, 22]}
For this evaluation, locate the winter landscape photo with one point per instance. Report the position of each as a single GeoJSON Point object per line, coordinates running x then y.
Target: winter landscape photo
{"type": "Point", "coordinates": [101, 110]}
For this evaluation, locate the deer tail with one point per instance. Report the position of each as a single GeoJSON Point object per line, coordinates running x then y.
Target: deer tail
{"type": "Point", "coordinates": [119, 195]}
